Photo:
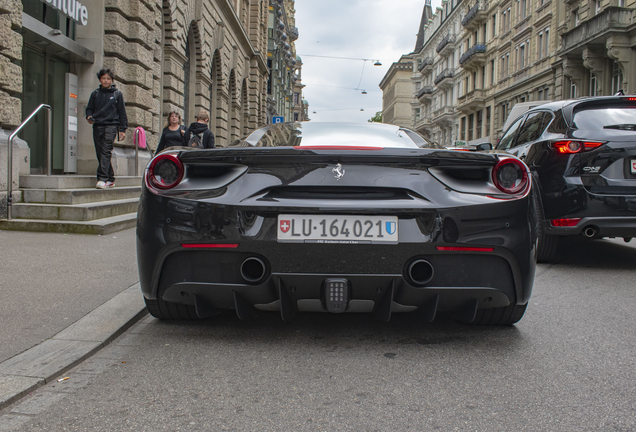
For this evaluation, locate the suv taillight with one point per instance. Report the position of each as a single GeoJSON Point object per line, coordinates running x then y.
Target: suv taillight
{"type": "Point", "coordinates": [165, 172]}
{"type": "Point", "coordinates": [510, 175]}
{"type": "Point", "coordinates": [572, 146]}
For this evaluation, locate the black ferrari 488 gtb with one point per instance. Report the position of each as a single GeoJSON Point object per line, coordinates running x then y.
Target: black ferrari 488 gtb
{"type": "Point", "coordinates": [330, 217]}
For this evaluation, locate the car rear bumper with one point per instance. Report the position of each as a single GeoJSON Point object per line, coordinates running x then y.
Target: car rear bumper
{"type": "Point", "coordinates": [617, 226]}
{"type": "Point", "coordinates": [292, 276]}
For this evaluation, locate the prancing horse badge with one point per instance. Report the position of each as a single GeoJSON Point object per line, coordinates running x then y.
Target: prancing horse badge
{"type": "Point", "coordinates": [338, 171]}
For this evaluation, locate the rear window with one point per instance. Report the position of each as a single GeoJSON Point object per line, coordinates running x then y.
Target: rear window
{"type": "Point", "coordinates": [307, 134]}
{"type": "Point", "coordinates": [602, 117]}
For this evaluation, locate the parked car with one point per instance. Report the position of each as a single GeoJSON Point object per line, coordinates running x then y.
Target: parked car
{"type": "Point", "coordinates": [328, 217]}
{"type": "Point", "coordinates": [582, 154]}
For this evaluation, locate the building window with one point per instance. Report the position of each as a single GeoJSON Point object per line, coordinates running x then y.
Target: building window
{"type": "Point", "coordinates": [487, 133]}
{"type": "Point", "coordinates": [417, 115]}
{"type": "Point", "coordinates": [492, 72]}
{"type": "Point", "coordinates": [546, 93]}
{"type": "Point", "coordinates": [593, 85]}
{"type": "Point", "coordinates": [547, 41]}
{"type": "Point", "coordinates": [597, 7]}
{"type": "Point", "coordinates": [479, 114]}
{"type": "Point", "coordinates": [540, 45]}
{"type": "Point", "coordinates": [523, 8]}
{"type": "Point", "coordinates": [540, 94]}
{"type": "Point", "coordinates": [617, 78]}
{"type": "Point", "coordinates": [572, 90]}
{"type": "Point", "coordinates": [483, 77]}
{"type": "Point", "coordinates": [462, 130]}
{"type": "Point", "coordinates": [522, 56]}
{"type": "Point", "coordinates": [494, 26]}
{"type": "Point", "coordinates": [471, 121]}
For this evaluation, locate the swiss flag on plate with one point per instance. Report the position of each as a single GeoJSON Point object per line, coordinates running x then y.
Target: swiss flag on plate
{"type": "Point", "coordinates": [634, 166]}
{"type": "Point", "coordinates": [285, 225]}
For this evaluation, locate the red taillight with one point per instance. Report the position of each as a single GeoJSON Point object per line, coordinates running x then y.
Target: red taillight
{"type": "Point", "coordinates": [165, 172]}
{"type": "Point", "coordinates": [630, 98]}
{"type": "Point", "coordinates": [464, 249]}
{"type": "Point", "coordinates": [209, 245]}
{"type": "Point", "coordinates": [336, 147]}
{"type": "Point", "coordinates": [510, 175]}
{"type": "Point", "coordinates": [565, 222]}
{"type": "Point", "coordinates": [571, 147]}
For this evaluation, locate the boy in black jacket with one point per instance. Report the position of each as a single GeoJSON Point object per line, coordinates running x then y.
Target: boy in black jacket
{"type": "Point", "coordinates": [197, 134]}
{"type": "Point", "coordinates": [106, 111]}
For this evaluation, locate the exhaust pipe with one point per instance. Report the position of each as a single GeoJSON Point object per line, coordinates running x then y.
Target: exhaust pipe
{"type": "Point", "coordinates": [420, 272]}
{"type": "Point", "coordinates": [253, 269]}
{"type": "Point", "coordinates": [590, 232]}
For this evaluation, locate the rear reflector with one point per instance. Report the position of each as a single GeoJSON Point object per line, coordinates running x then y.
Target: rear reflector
{"type": "Point", "coordinates": [209, 245]}
{"type": "Point", "coordinates": [336, 147]}
{"type": "Point", "coordinates": [464, 249]}
{"type": "Point", "coordinates": [565, 222]}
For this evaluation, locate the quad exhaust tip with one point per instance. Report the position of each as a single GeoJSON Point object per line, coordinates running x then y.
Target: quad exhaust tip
{"type": "Point", "coordinates": [420, 272]}
{"type": "Point", "coordinates": [253, 270]}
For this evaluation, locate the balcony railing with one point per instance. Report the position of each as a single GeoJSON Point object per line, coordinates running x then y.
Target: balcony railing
{"type": "Point", "coordinates": [428, 61]}
{"type": "Point", "coordinates": [612, 18]}
{"type": "Point", "coordinates": [448, 39]}
{"type": "Point", "coordinates": [477, 48]}
{"type": "Point", "coordinates": [293, 33]}
{"type": "Point", "coordinates": [426, 90]}
{"type": "Point", "coordinates": [446, 110]}
{"type": "Point", "coordinates": [446, 73]}
{"type": "Point", "coordinates": [472, 13]}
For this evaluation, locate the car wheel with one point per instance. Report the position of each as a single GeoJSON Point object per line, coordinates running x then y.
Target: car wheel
{"type": "Point", "coordinates": [170, 311]}
{"type": "Point", "coordinates": [501, 316]}
{"type": "Point", "coordinates": [546, 243]}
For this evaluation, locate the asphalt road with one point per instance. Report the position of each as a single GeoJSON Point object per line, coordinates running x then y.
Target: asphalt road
{"type": "Point", "coordinates": [568, 365]}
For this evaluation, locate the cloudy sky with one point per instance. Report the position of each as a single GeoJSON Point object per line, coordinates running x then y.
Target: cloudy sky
{"type": "Point", "coordinates": [356, 29]}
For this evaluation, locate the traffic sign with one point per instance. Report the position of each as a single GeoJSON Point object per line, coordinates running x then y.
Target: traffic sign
{"type": "Point", "coordinates": [280, 119]}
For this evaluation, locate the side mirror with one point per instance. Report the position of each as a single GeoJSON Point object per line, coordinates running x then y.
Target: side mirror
{"type": "Point", "coordinates": [483, 146]}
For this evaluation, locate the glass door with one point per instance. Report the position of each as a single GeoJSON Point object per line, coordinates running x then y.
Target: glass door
{"type": "Point", "coordinates": [44, 82]}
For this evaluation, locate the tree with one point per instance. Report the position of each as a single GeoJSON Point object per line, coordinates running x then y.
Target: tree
{"type": "Point", "coordinates": [376, 118]}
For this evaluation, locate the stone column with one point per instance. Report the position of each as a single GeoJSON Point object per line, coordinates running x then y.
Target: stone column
{"type": "Point", "coordinates": [572, 69]}
{"type": "Point", "coordinates": [596, 64]}
{"type": "Point", "coordinates": [10, 103]}
{"type": "Point", "coordinates": [619, 50]}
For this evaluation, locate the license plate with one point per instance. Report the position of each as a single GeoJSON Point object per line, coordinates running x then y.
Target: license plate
{"type": "Point", "coordinates": [343, 229]}
{"type": "Point", "coordinates": [634, 166]}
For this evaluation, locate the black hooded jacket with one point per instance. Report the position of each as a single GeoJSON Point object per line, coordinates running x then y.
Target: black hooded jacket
{"type": "Point", "coordinates": [198, 128]}
{"type": "Point", "coordinates": [107, 108]}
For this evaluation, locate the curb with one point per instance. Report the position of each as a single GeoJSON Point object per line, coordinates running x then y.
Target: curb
{"type": "Point", "coordinates": [46, 361]}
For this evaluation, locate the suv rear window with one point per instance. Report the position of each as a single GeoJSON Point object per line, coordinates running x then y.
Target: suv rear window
{"type": "Point", "coordinates": [608, 117]}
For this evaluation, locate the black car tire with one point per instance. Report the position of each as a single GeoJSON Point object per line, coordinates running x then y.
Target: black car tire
{"type": "Point", "coordinates": [502, 316]}
{"type": "Point", "coordinates": [170, 311]}
{"type": "Point", "coordinates": [546, 243]}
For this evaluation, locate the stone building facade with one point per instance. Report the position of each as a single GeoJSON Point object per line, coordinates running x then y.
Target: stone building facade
{"type": "Point", "coordinates": [284, 86]}
{"type": "Point", "coordinates": [474, 60]}
{"type": "Point", "coordinates": [397, 93]}
{"type": "Point", "coordinates": [598, 47]}
{"type": "Point", "coordinates": [182, 55]}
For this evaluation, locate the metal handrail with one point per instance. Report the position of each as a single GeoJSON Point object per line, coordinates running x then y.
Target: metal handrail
{"type": "Point", "coordinates": [10, 152]}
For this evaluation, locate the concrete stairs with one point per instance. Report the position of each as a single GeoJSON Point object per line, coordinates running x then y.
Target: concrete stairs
{"type": "Point", "coordinates": [71, 204]}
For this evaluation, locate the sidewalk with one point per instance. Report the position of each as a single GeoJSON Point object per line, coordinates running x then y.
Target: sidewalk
{"type": "Point", "coordinates": [64, 297]}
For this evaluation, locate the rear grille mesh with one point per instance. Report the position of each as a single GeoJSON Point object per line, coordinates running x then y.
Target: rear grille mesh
{"type": "Point", "coordinates": [338, 194]}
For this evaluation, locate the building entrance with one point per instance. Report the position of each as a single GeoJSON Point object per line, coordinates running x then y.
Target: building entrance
{"type": "Point", "coordinates": [44, 82]}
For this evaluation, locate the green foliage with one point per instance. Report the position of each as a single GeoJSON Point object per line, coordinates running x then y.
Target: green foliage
{"type": "Point", "coordinates": [376, 118]}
